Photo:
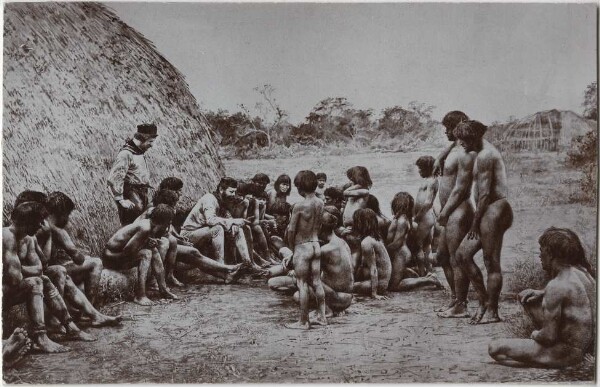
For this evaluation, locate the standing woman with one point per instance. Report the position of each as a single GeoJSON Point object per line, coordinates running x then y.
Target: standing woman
{"type": "Point", "coordinates": [280, 193]}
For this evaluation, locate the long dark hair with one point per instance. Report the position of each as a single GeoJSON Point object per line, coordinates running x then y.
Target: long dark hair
{"type": "Point", "coordinates": [564, 246]}
{"type": "Point", "coordinates": [364, 222]}
{"type": "Point", "coordinates": [403, 204]}
{"type": "Point", "coordinates": [359, 175]}
{"type": "Point", "coordinates": [283, 179]}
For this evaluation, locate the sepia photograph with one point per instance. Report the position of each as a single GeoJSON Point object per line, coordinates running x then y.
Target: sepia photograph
{"type": "Point", "coordinates": [217, 192]}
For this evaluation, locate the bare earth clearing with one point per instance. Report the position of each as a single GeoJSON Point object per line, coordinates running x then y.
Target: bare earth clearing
{"type": "Point", "coordinates": [219, 333]}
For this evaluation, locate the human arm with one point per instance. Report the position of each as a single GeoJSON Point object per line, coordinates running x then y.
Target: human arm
{"type": "Point", "coordinates": [63, 239]}
{"type": "Point", "coordinates": [552, 312]}
{"type": "Point", "coordinates": [462, 187]}
{"type": "Point", "coordinates": [210, 207]}
{"type": "Point", "coordinates": [438, 165]}
{"type": "Point", "coordinates": [137, 242]}
{"type": "Point", "coordinates": [291, 230]}
{"type": "Point", "coordinates": [530, 295]}
{"type": "Point", "coordinates": [356, 190]}
{"type": "Point", "coordinates": [485, 175]}
{"type": "Point", "coordinates": [11, 266]}
{"type": "Point", "coordinates": [116, 178]}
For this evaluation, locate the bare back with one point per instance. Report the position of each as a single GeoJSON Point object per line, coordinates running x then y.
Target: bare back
{"type": "Point", "coordinates": [578, 307]}
{"type": "Point", "coordinates": [489, 173]}
{"type": "Point", "coordinates": [132, 237]}
{"type": "Point", "coordinates": [353, 203]}
{"type": "Point", "coordinates": [308, 213]}
{"type": "Point", "coordinates": [336, 265]}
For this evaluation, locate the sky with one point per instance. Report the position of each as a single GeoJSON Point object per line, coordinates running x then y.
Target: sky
{"type": "Point", "coordinates": [490, 60]}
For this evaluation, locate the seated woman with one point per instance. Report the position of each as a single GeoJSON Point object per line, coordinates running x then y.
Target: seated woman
{"type": "Point", "coordinates": [280, 192]}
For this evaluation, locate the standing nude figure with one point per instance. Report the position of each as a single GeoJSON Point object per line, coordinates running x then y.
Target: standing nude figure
{"type": "Point", "coordinates": [493, 217]}
{"type": "Point", "coordinates": [303, 236]}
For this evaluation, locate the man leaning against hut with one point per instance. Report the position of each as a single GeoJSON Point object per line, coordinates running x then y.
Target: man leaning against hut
{"type": "Point", "coordinates": [129, 177]}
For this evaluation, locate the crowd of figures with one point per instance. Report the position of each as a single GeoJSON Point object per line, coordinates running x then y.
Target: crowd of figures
{"type": "Point", "coordinates": [322, 250]}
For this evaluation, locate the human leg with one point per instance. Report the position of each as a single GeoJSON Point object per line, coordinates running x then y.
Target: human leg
{"type": "Point", "coordinates": [77, 298]}
{"type": "Point", "coordinates": [529, 353]}
{"type": "Point", "coordinates": [144, 258]}
{"type": "Point", "coordinates": [191, 256]}
{"type": "Point", "coordinates": [88, 273]}
{"type": "Point", "coordinates": [494, 223]}
{"type": "Point", "coordinates": [170, 260]}
{"type": "Point", "coordinates": [400, 260]}
{"type": "Point", "coordinates": [317, 284]}
{"type": "Point", "coordinates": [158, 268]}
{"type": "Point", "coordinates": [302, 270]}
{"type": "Point", "coordinates": [443, 259]}
{"type": "Point", "coordinates": [58, 308]}
{"type": "Point", "coordinates": [214, 234]}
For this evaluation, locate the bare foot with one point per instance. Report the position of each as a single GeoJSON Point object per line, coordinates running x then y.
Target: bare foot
{"type": "Point", "coordinates": [298, 325]}
{"type": "Point", "coordinates": [410, 273]}
{"type": "Point", "coordinates": [79, 335]}
{"type": "Point", "coordinates": [145, 301]}
{"type": "Point", "coordinates": [166, 293]}
{"type": "Point", "coordinates": [234, 275]}
{"type": "Point", "coordinates": [459, 310]}
{"type": "Point", "coordinates": [316, 318]}
{"type": "Point", "coordinates": [445, 308]}
{"type": "Point", "coordinates": [55, 326]}
{"type": "Point", "coordinates": [479, 315]}
{"type": "Point", "coordinates": [106, 321]}
{"type": "Point", "coordinates": [15, 347]}
{"type": "Point", "coordinates": [491, 317]}
{"type": "Point", "coordinates": [338, 314]}
{"type": "Point", "coordinates": [42, 343]}
{"type": "Point", "coordinates": [171, 280]}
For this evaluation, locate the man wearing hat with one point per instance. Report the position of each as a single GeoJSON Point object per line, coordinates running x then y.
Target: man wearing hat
{"type": "Point", "coordinates": [129, 177]}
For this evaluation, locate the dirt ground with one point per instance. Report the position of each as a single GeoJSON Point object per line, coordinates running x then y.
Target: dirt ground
{"type": "Point", "coordinates": [235, 333]}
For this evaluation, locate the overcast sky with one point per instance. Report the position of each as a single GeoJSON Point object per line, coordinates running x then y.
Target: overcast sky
{"type": "Point", "coordinates": [490, 60]}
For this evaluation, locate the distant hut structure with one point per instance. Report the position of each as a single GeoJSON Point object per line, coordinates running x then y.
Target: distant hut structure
{"type": "Point", "coordinates": [550, 130]}
{"type": "Point", "coordinates": [77, 81]}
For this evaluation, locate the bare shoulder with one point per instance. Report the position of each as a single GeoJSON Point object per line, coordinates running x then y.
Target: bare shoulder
{"type": "Point", "coordinates": [8, 238]}
{"type": "Point", "coordinates": [467, 159]}
{"type": "Point", "coordinates": [368, 242]}
{"type": "Point", "coordinates": [558, 287]}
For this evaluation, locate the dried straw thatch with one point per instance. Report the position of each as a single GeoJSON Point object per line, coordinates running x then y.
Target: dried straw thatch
{"type": "Point", "coordinates": [550, 130]}
{"type": "Point", "coordinates": [77, 81]}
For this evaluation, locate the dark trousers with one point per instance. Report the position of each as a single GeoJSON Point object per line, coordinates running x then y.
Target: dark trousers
{"type": "Point", "coordinates": [138, 195]}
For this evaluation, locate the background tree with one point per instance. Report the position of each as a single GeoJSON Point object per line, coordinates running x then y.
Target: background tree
{"type": "Point", "coordinates": [590, 101]}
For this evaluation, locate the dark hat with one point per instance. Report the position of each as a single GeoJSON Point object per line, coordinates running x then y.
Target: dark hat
{"type": "Point", "coordinates": [148, 129]}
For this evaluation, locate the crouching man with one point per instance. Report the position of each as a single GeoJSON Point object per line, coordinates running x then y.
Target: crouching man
{"type": "Point", "coordinates": [563, 313]}
{"type": "Point", "coordinates": [140, 244]}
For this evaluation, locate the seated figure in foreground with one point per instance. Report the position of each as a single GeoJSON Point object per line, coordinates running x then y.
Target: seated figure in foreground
{"type": "Point", "coordinates": [563, 313]}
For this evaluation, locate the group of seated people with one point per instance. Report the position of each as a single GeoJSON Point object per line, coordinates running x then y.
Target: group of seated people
{"type": "Point", "coordinates": [332, 244]}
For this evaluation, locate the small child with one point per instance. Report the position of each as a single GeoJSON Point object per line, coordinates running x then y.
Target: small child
{"type": "Point", "coordinates": [356, 195]}
{"type": "Point", "coordinates": [321, 181]}
{"type": "Point", "coordinates": [303, 237]}
{"type": "Point", "coordinates": [424, 216]}
{"type": "Point", "coordinates": [400, 227]}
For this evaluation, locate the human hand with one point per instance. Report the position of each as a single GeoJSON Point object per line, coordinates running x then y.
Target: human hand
{"type": "Point", "coordinates": [442, 220]}
{"type": "Point", "coordinates": [153, 243]}
{"type": "Point", "coordinates": [535, 335]}
{"type": "Point", "coordinates": [127, 204]}
{"type": "Point", "coordinates": [187, 243]}
{"type": "Point", "coordinates": [473, 233]}
{"type": "Point", "coordinates": [438, 167]}
{"type": "Point", "coordinates": [291, 273]}
{"type": "Point", "coordinates": [286, 261]}
{"type": "Point", "coordinates": [346, 231]}
{"type": "Point", "coordinates": [529, 295]}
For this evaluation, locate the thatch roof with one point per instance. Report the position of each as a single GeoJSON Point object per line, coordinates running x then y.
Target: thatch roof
{"type": "Point", "coordinates": [77, 81]}
{"type": "Point", "coordinates": [551, 130]}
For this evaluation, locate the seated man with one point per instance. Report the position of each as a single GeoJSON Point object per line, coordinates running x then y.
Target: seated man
{"type": "Point", "coordinates": [55, 272]}
{"type": "Point", "coordinates": [184, 250]}
{"type": "Point", "coordinates": [210, 219]}
{"type": "Point", "coordinates": [23, 280]}
{"type": "Point", "coordinates": [82, 269]}
{"type": "Point", "coordinates": [564, 312]}
{"type": "Point", "coordinates": [139, 244]}
{"type": "Point", "coordinates": [373, 274]}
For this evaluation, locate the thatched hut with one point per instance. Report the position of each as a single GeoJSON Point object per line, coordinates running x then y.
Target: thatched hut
{"type": "Point", "coordinates": [551, 130]}
{"type": "Point", "coordinates": [77, 81]}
